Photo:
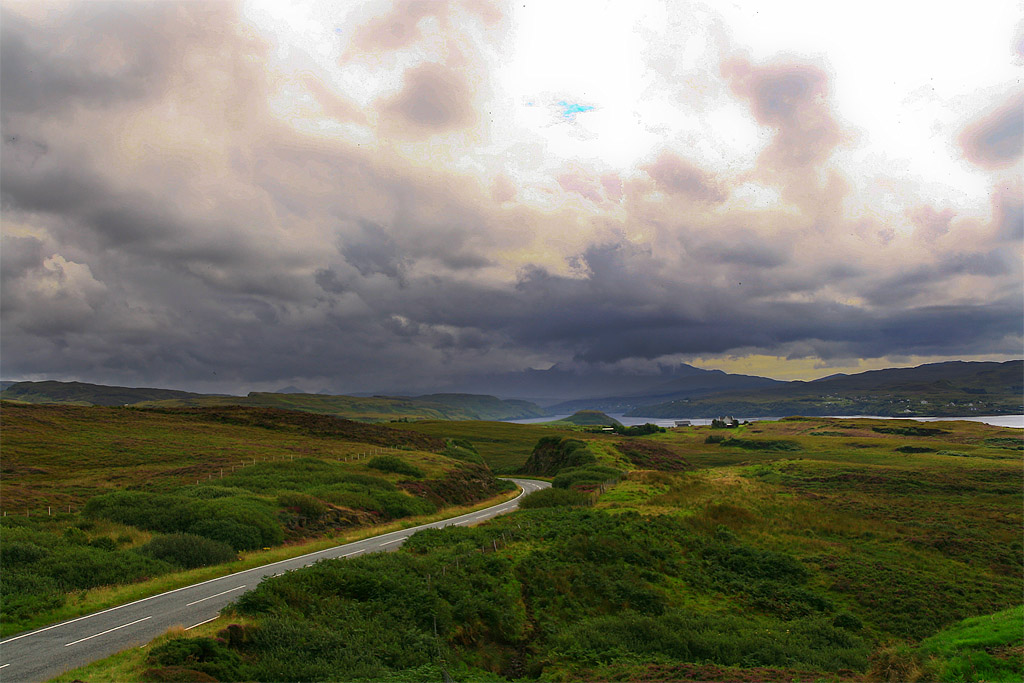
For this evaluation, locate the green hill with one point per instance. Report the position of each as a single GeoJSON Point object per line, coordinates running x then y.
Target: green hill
{"type": "Point", "coordinates": [862, 550]}
{"type": "Point", "coordinates": [97, 496]}
{"type": "Point", "coordinates": [83, 393]}
{"type": "Point", "coordinates": [373, 409]}
{"type": "Point", "coordinates": [589, 418]}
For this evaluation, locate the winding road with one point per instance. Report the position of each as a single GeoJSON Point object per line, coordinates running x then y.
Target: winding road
{"type": "Point", "coordinates": [47, 652]}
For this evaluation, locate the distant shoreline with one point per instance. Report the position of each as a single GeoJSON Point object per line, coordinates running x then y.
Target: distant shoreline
{"type": "Point", "coordinates": [1011, 421]}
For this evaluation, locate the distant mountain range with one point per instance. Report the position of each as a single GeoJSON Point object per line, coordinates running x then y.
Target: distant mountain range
{"type": "Point", "coordinates": [950, 389]}
{"type": "Point", "coordinates": [954, 388]}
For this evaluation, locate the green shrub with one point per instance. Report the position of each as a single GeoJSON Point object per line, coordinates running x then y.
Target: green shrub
{"type": "Point", "coordinates": [910, 431]}
{"type": "Point", "coordinates": [188, 551]}
{"type": "Point", "coordinates": [760, 444]}
{"type": "Point", "coordinates": [234, 534]}
{"type": "Point", "coordinates": [76, 567]}
{"type": "Point", "coordinates": [389, 463]}
{"type": "Point", "coordinates": [589, 476]}
{"type": "Point", "coordinates": [103, 543]}
{"type": "Point", "coordinates": [73, 535]}
{"type": "Point", "coordinates": [303, 504]}
{"type": "Point", "coordinates": [228, 519]}
{"type": "Point", "coordinates": [15, 553]}
{"type": "Point", "coordinates": [461, 449]}
{"type": "Point", "coordinates": [552, 497]}
{"type": "Point", "coordinates": [638, 430]}
{"type": "Point", "coordinates": [25, 593]}
{"type": "Point", "coordinates": [552, 454]}
{"type": "Point", "coordinates": [200, 654]}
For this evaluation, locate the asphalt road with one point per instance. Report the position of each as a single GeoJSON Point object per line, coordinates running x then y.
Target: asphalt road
{"type": "Point", "coordinates": [47, 652]}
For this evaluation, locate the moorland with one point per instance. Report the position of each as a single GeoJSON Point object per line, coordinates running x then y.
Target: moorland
{"type": "Point", "coordinates": [800, 549]}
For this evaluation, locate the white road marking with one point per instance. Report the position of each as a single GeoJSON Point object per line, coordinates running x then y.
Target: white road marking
{"type": "Point", "coordinates": [109, 630]}
{"type": "Point", "coordinates": [356, 552]}
{"type": "Point", "coordinates": [2, 666]}
{"type": "Point", "coordinates": [202, 622]}
{"type": "Point", "coordinates": [196, 602]}
{"type": "Point", "coordinates": [397, 540]}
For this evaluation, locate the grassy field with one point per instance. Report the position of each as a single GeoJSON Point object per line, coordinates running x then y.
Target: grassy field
{"type": "Point", "coordinates": [372, 409]}
{"type": "Point", "coordinates": [854, 550]}
{"type": "Point", "coordinates": [504, 446]}
{"type": "Point", "coordinates": [105, 505]}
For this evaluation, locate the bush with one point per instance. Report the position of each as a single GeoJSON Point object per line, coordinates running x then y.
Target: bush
{"type": "Point", "coordinates": [103, 543]}
{"type": "Point", "coordinates": [552, 497]}
{"type": "Point", "coordinates": [234, 534]}
{"type": "Point", "coordinates": [188, 551]}
{"type": "Point", "coordinates": [304, 504]}
{"type": "Point", "coordinates": [229, 519]}
{"type": "Point", "coordinates": [761, 444]}
{"type": "Point", "coordinates": [591, 475]}
{"type": "Point", "coordinates": [76, 567]}
{"type": "Point", "coordinates": [389, 463]}
{"type": "Point", "coordinates": [200, 654]}
{"type": "Point", "coordinates": [552, 454]}
{"type": "Point", "coordinates": [461, 449]}
{"type": "Point", "coordinates": [638, 430]}
{"type": "Point", "coordinates": [25, 593]}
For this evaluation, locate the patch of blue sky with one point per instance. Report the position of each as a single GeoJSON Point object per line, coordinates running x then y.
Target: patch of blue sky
{"type": "Point", "coordinates": [571, 109]}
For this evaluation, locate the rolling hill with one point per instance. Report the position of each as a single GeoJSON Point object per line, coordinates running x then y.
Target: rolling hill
{"type": "Point", "coordinates": [372, 409]}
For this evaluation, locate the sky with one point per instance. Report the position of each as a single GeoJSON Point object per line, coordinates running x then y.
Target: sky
{"type": "Point", "coordinates": [404, 196]}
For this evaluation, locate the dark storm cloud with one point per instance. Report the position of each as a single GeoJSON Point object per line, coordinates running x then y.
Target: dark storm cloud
{"type": "Point", "coordinates": [996, 139]}
{"type": "Point", "coordinates": [751, 251]}
{"type": "Point", "coordinates": [107, 52]}
{"type": "Point", "coordinates": [19, 255]}
{"type": "Point", "coordinates": [911, 283]}
{"type": "Point", "coordinates": [613, 315]}
{"type": "Point", "coordinates": [375, 252]}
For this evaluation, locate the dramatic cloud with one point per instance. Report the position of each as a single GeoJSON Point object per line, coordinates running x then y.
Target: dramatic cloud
{"type": "Point", "coordinates": [792, 99]}
{"type": "Point", "coordinates": [406, 196]}
{"type": "Point", "coordinates": [997, 139]}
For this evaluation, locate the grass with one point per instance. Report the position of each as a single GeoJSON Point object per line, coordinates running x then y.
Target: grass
{"type": "Point", "coordinates": [504, 446]}
{"type": "Point", "coordinates": [900, 551]}
{"type": "Point", "coordinates": [987, 648]}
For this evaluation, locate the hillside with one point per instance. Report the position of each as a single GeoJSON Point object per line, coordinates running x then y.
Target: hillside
{"type": "Point", "coordinates": [938, 390]}
{"type": "Point", "coordinates": [96, 496]}
{"type": "Point", "coordinates": [83, 393]}
{"type": "Point", "coordinates": [801, 550]}
{"type": "Point", "coordinates": [694, 383]}
{"type": "Point", "coordinates": [375, 408]}
{"type": "Point", "coordinates": [588, 418]}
